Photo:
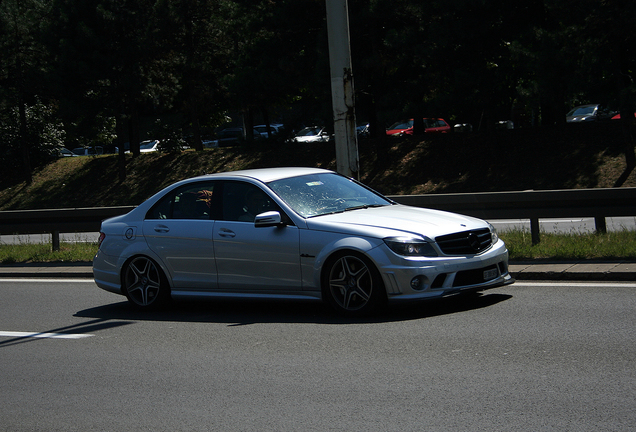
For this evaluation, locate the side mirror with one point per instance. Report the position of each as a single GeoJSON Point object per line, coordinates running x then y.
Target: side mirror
{"type": "Point", "coordinates": [268, 219]}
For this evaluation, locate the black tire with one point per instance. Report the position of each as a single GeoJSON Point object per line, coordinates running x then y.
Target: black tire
{"type": "Point", "coordinates": [352, 285]}
{"type": "Point", "coordinates": [144, 284]}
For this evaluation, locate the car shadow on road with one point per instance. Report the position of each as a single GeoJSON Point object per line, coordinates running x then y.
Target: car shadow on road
{"type": "Point", "coordinates": [246, 312]}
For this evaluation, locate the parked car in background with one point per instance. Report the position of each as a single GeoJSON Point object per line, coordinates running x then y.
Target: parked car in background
{"type": "Point", "coordinates": [62, 152]}
{"type": "Point", "coordinates": [275, 129]}
{"type": "Point", "coordinates": [149, 146]}
{"type": "Point", "coordinates": [431, 125]}
{"type": "Point", "coordinates": [587, 113]}
{"type": "Point", "coordinates": [291, 234]}
{"type": "Point", "coordinates": [618, 116]}
{"type": "Point", "coordinates": [504, 125]}
{"type": "Point", "coordinates": [230, 137]}
{"type": "Point", "coordinates": [312, 134]}
{"type": "Point", "coordinates": [89, 151]}
{"type": "Point", "coordinates": [209, 143]}
{"type": "Point", "coordinates": [463, 127]}
{"type": "Point", "coordinates": [363, 131]}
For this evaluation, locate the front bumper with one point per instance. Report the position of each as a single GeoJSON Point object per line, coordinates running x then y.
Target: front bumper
{"type": "Point", "coordinates": [412, 279]}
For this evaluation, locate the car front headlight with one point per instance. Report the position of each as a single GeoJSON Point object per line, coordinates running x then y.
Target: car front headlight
{"type": "Point", "coordinates": [493, 234]}
{"type": "Point", "coordinates": [409, 246]}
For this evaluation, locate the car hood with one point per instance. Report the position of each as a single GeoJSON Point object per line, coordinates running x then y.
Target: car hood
{"type": "Point", "coordinates": [308, 138]}
{"type": "Point", "coordinates": [395, 220]}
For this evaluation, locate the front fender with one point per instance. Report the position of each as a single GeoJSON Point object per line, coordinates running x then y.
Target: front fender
{"type": "Point", "coordinates": [315, 253]}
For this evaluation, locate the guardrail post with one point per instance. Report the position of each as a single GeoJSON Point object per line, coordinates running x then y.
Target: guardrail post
{"type": "Point", "coordinates": [534, 231]}
{"type": "Point", "coordinates": [601, 225]}
{"type": "Point", "coordinates": [55, 239]}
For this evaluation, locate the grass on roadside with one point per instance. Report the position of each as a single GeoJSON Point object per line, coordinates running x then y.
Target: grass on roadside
{"type": "Point", "coordinates": [25, 252]}
{"type": "Point", "coordinates": [561, 247]}
{"type": "Point", "coordinates": [571, 246]}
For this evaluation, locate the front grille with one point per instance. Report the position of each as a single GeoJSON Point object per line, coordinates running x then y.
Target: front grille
{"type": "Point", "coordinates": [465, 243]}
{"type": "Point", "coordinates": [475, 277]}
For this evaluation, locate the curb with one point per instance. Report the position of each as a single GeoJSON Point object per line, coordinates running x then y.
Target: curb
{"type": "Point", "coordinates": [47, 270]}
{"type": "Point", "coordinates": [619, 271]}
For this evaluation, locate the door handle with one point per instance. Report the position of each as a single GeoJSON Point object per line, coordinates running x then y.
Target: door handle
{"type": "Point", "coordinates": [224, 232]}
{"type": "Point", "coordinates": [162, 229]}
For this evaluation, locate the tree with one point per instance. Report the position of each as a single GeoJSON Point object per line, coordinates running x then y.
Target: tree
{"type": "Point", "coordinates": [21, 69]}
{"type": "Point", "coordinates": [101, 62]}
{"type": "Point", "coordinates": [187, 38]}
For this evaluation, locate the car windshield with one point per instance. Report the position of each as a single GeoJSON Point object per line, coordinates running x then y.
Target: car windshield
{"type": "Point", "coordinates": [147, 145]}
{"type": "Point", "coordinates": [402, 125]}
{"type": "Point", "coordinates": [588, 110]}
{"type": "Point", "coordinates": [309, 131]}
{"type": "Point", "coordinates": [321, 194]}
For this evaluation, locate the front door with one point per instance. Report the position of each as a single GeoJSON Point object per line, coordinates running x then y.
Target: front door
{"type": "Point", "coordinates": [250, 258]}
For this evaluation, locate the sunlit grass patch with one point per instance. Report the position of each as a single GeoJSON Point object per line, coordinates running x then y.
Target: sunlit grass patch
{"type": "Point", "coordinates": [25, 252]}
{"type": "Point", "coordinates": [571, 246]}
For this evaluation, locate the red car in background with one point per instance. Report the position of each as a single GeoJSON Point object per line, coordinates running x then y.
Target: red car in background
{"type": "Point", "coordinates": [432, 125]}
{"type": "Point", "coordinates": [618, 116]}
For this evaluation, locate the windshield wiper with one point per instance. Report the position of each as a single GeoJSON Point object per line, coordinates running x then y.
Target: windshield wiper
{"type": "Point", "coordinates": [364, 206]}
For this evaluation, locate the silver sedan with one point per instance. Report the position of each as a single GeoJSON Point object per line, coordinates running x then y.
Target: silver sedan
{"type": "Point", "coordinates": [293, 233]}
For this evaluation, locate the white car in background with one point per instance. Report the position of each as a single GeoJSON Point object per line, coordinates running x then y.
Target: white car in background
{"type": "Point", "coordinates": [312, 134]}
{"type": "Point", "coordinates": [293, 233]}
{"type": "Point", "coordinates": [149, 146]}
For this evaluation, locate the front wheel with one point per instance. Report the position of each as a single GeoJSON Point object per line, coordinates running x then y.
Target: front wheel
{"type": "Point", "coordinates": [144, 284]}
{"type": "Point", "coordinates": [352, 285]}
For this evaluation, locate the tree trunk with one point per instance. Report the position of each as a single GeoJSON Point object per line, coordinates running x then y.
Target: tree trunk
{"type": "Point", "coordinates": [248, 125]}
{"type": "Point", "coordinates": [133, 131]}
{"type": "Point", "coordinates": [419, 128]}
{"type": "Point", "coordinates": [121, 160]}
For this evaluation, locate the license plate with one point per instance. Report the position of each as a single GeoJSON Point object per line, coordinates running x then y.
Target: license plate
{"type": "Point", "coordinates": [490, 274]}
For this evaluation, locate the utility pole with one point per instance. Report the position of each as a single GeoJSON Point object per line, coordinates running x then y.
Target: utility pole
{"type": "Point", "coordinates": [342, 95]}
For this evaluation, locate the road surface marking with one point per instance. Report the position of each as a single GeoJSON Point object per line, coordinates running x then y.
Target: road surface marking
{"type": "Point", "coordinates": [43, 335]}
{"type": "Point", "coordinates": [598, 284]}
{"type": "Point", "coordinates": [48, 280]}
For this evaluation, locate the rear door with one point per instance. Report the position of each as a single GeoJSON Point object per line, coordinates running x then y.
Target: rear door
{"type": "Point", "coordinates": [179, 230]}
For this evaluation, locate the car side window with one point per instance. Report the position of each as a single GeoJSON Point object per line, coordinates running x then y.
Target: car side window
{"type": "Point", "coordinates": [193, 201]}
{"type": "Point", "coordinates": [243, 201]}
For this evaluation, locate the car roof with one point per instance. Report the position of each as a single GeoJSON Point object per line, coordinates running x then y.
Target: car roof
{"type": "Point", "coordinates": [267, 175]}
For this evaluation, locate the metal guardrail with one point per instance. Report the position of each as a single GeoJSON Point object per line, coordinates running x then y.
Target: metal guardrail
{"type": "Point", "coordinates": [533, 205]}
{"type": "Point", "coordinates": [56, 221]}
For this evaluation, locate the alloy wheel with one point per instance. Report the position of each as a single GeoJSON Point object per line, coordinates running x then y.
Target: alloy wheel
{"type": "Point", "coordinates": [351, 283]}
{"type": "Point", "coordinates": [143, 282]}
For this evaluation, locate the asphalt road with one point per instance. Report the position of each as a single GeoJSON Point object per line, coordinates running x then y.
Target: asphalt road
{"type": "Point", "coordinates": [527, 357]}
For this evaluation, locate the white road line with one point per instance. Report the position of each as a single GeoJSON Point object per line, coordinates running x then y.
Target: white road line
{"type": "Point", "coordinates": [43, 335]}
{"type": "Point", "coordinates": [599, 284]}
{"type": "Point", "coordinates": [36, 280]}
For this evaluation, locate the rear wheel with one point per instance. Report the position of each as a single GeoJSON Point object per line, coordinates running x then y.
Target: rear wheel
{"type": "Point", "coordinates": [144, 283]}
{"type": "Point", "coordinates": [352, 284]}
